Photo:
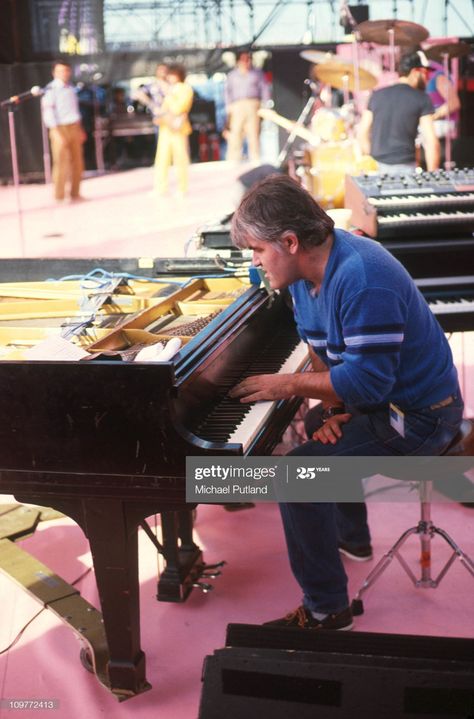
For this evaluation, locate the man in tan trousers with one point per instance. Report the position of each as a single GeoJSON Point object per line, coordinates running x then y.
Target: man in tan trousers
{"type": "Point", "coordinates": [60, 108]}
{"type": "Point", "coordinates": [245, 91]}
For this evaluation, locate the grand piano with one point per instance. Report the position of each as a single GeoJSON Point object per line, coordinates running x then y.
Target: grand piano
{"type": "Point", "coordinates": [104, 441]}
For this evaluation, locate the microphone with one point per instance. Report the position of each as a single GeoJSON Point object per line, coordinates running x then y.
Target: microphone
{"type": "Point", "coordinates": [35, 91]}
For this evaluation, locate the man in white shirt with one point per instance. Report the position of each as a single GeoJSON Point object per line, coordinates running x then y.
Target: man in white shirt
{"type": "Point", "coordinates": [60, 108]}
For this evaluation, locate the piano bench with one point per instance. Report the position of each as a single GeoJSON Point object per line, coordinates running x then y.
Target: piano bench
{"type": "Point", "coordinates": [462, 445]}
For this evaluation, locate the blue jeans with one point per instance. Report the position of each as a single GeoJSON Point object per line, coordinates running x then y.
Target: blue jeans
{"type": "Point", "coordinates": [312, 530]}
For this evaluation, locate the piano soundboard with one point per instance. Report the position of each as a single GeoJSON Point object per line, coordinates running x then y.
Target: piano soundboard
{"type": "Point", "coordinates": [422, 204]}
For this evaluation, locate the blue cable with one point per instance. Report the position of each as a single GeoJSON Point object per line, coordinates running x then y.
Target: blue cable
{"type": "Point", "coordinates": [100, 277]}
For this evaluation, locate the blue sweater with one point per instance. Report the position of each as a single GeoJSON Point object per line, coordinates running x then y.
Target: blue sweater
{"type": "Point", "coordinates": [374, 330]}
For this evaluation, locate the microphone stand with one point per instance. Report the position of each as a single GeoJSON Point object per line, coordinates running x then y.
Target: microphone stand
{"type": "Point", "coordinates": [294, 133]}
{"type": "Point", "coordinates": [46, 153]}
{"type": "Point", "coordinates": [15, 173]}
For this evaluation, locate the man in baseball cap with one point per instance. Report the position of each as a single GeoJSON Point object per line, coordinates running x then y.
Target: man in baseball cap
{"type": "Point", "coordinates": [389, 127]}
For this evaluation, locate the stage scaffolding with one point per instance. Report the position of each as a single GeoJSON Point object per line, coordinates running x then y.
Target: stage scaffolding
{"type": "Point", "coordinates": [169, 24]}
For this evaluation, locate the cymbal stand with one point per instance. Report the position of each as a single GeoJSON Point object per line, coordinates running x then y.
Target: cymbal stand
{"type": "Point", "coordinates": [447, 159]}
{"type": "Point", "coordinates": [355, 55]}
{"type": "Point", "coordinates": [391, 39]}
{"type": "Point", "coordinates": [345, 89]}
{"type": "Point", "coordinates": [294, 133]}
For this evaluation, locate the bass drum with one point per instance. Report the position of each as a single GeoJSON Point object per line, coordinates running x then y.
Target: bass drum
{"type": "Point", "coordinates": [329, 163]}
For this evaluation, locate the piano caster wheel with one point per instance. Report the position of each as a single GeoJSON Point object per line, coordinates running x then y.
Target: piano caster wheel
{"type": "Point", "coordinates": [86, 659]}
{"type": "Point", "coordinates": [203, 586]}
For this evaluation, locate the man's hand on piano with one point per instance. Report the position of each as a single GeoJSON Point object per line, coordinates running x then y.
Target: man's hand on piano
{"type": "Point", "coordinates": [264, 387]}
{"type": "Point", "coordinates": [331, 430]}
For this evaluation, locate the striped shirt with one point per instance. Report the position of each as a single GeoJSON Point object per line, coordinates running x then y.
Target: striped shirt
{"type": "Point", "coordinates": [373, 329]}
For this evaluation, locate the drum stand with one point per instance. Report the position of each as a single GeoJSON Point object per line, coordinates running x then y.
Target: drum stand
{"type": "Point", "coordinates": [294, 133]}
{"type": "Point", "coordinates": [391, 39]}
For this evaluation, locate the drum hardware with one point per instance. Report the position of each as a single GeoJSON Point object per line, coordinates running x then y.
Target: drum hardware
{"type": "Point", "coordinates": [392, 32]}
{"type": "Point", "coordinates": [443, 53]}
{"type": "Point", "coordinates": [328, 125]}
{"type": "Point", "coordinates": [304, 114]}
{"type": "Point", "coordinates": [328, 164]}
{"type": "Point", "coordinates": [317, 56]}
{"type": "Point", "coordinates": [400, 32]}
{"type": "Point", "coordinates": [341, 75]}
{"type": "Point", "coordinates": [451, 49]}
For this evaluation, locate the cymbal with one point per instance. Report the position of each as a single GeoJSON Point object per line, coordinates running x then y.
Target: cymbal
{"type": "Point", "coordinates": [405, 33]}
{"type": "Point", "coordinates": [335, 74]}
{"type": "Point", "coordinates": [317, 56]}
{"type": "Point", "coordinates": [451, 49]}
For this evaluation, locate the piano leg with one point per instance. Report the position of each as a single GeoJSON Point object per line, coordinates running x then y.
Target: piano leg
{"type": "Point", "coordinates": [112, 529]}
{"type": "Point", "coordinates": [183, 558]}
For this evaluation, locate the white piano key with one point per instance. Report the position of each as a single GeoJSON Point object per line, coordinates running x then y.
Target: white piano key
{"type": "Point", "coordinates": [260, 411]}
{"type": "Point", "coordinates": [438, 307]}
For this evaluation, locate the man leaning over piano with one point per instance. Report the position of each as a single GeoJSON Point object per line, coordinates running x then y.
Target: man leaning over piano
{"type": "Point", "coordinates": [382, 369]}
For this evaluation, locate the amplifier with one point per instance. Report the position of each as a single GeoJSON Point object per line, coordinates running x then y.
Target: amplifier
{"type": "Point", "coordinates": [294, 674]}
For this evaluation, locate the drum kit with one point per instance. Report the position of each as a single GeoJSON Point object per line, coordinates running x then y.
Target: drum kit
{"type": "Point", "coordinates": [333, 152]}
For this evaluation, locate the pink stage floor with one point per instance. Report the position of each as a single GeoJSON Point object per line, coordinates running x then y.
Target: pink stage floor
{"type": "Point", "coordinates": [256, 585]}
{"type": "Point", "coordinates": [122, 219]}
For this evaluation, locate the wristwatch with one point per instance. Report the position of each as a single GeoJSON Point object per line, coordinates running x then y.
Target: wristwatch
{"type": "Point", "coordinates": [331, 411]}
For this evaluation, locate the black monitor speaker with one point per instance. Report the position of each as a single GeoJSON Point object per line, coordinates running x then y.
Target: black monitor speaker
{"type": "Point", "coordinates": [360, 13]}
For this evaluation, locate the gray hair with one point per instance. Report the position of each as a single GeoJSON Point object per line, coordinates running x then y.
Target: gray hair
{"type": "Point", "coordinates": [276, 206]}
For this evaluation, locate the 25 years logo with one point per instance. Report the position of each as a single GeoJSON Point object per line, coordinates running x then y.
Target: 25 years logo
{"type": "Point", "coordinates": [305, 473]}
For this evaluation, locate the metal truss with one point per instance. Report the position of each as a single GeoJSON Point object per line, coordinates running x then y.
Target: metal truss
{"type": "Point", "coordinates": [168, 24]}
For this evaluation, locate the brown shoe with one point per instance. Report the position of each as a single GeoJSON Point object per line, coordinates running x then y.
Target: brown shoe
{"type": "Point", "coordinates": [302, 618]}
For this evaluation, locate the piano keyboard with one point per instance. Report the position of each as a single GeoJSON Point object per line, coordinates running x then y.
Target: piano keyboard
{"type": "Point", "coordinates": [259, 412]}
{"type": "Point", "coordinates": [420, 217]}
{"type": "Point", "coordinates": [422, 201]}
{"type": "Point", "coordinates": [451, 299]}
{"type": "Point", "coordinates": [232, 421]}
{"type": "Point", "coordinates": [430, 203]}
{"type": "Point", "coordinates": [441, 307]}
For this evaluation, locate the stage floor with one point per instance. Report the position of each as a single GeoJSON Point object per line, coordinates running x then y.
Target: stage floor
{"type": "Point", "coordinates": [121, 215]}
{"type": "Point", "coordinates": [256, 585]}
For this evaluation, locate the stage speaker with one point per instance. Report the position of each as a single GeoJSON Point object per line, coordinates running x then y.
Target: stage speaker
{"type": "Point", "coordinates": [463, 151]}
{"type": "Point", "coordinates": [256, 174]}
{"type": "Point", "coordinates": [294, 674]}
{"type": "Point", "coordinates": [15, 37]}
{"type": "Point", "coordinates": [360, 13]}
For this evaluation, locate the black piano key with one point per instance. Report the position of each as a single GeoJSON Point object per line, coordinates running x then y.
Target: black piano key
{"type": "Point", "coordinates": [226, 415]}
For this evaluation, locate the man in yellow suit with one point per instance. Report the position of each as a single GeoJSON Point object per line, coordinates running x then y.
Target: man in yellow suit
{"type": "Point", "coordinates": [175, 128]}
